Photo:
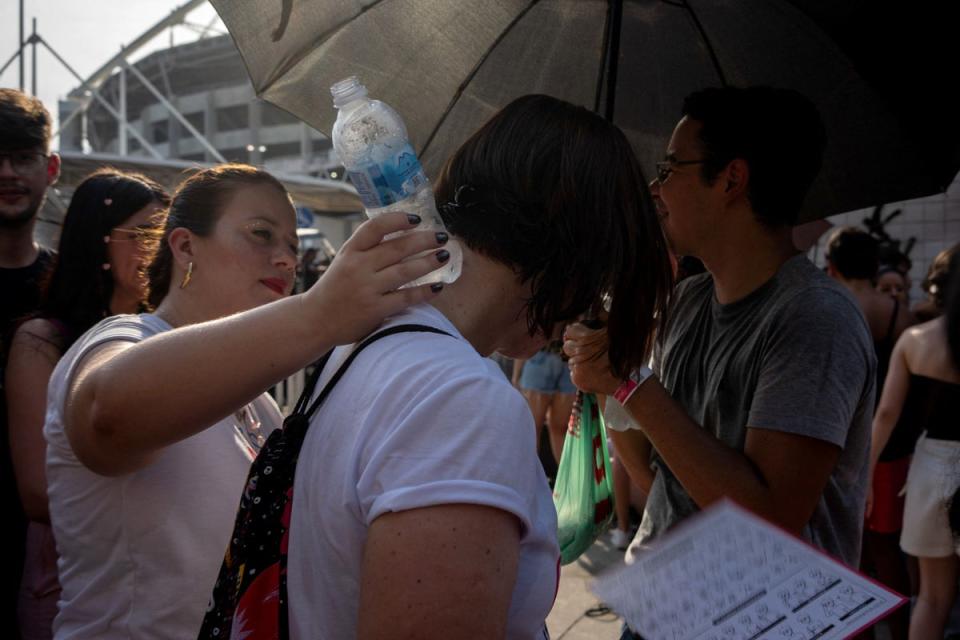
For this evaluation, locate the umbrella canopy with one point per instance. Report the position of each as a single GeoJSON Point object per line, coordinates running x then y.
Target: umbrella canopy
{"type": "Point", "coordinates": [878, 75]}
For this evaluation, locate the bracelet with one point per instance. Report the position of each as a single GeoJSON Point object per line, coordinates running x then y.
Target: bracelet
{"type": "Point", "coordinates": [629, 386]}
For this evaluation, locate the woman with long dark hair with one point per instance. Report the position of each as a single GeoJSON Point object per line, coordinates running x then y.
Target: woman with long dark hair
{"type": "Point", "coordinates": [97, 273]}
{"type": "Point", "coordinates": [153, 419]}
{"type": "Point", "coordinates": [924, 382]}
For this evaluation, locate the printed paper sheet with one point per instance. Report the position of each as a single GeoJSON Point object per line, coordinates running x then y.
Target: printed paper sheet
{"type": "Point", "coordinates": [726, 574]}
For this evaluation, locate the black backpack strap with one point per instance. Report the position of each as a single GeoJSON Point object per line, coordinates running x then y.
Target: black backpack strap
{"type": "Point", "coordinates": [300, 408]}
{"type": "Point", "coordinates": [311, 383]}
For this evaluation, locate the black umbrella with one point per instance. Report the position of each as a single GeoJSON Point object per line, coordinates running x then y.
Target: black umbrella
{"type": "Point", "coordinates": [879, 72]}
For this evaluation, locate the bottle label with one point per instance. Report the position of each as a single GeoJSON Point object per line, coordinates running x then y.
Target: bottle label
{"type": "Point", "coordinates": [385, 183]}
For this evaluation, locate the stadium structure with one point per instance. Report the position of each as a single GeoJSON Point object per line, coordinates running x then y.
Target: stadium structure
{"type": "Point", "coordinates": [191, 105]}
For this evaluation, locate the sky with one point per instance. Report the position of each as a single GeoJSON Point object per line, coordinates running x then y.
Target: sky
{"type": "Point", "coordinates": [86, 33]}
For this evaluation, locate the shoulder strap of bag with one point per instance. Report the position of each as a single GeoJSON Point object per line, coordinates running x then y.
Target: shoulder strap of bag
{"type": "Point", "coordinates": [300, 409]}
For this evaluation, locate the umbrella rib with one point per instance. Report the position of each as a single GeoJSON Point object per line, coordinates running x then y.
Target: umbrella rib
{"type": "Point", "coordinates": [601, 73]}
{"type": "Point", "coordinates": [684, 4]}
{"type": "Point", "coordinates": [472, 74]}
{"type": "Point", "coordinates": [613, 55]}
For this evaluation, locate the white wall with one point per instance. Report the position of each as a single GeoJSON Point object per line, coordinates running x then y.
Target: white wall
{"type": "Point", "coordinates": [934, 221]}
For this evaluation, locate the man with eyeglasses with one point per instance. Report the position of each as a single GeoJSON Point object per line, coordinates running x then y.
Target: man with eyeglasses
{"type": "Point", "coordinates": [762, 385]}
{"type": "Point", "coordinates": [27, 168]}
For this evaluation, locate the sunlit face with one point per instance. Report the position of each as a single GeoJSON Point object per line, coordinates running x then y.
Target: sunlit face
{"type": "Point", "coordinates": [250, 258]}
{"type": "Point", "coordinates": [22, 189]}
{"type": "Point", "coordinates": [125, 251]}
{"type": "Point", "coordinates": [893, 284]}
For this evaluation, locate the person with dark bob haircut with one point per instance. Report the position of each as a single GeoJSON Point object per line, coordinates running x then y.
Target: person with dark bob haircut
{"type": "Point", "coordinates": [762, 387]}
{"type": "Point", "coordinates": [420, 508]}
{"type": "Point", "coordinates": [153, 419]}
{"type": "Point", "coordinates": [96, 273]}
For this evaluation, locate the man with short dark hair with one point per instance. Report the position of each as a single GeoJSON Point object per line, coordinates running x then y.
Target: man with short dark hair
{"type": "Point", "coordinates": [853, 259]}
{"type": "Point", "coordinates": [27, 168]}
{"type": "Point", "coordinates": [763, 388]}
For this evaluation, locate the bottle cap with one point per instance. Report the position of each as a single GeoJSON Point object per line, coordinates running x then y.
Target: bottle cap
{"type": "Point", "coordinates": [347, 90]}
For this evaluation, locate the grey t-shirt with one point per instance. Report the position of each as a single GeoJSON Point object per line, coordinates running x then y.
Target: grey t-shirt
{"type": "Point", "coordinates": [795, 355]}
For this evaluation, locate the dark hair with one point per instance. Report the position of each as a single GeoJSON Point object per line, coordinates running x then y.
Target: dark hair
{"type": "Point", "coordinates": [555, 192]}
{"type": "Point", "coordinates": [24, 122]}
{"type": "Point", "coordinates": [196, 206]}
{"type": "Point", "coordinates": [78, 290]}
{"type": "Point", "coordinates": [938, 276]}
{"type": "Point", "coordinates": [892, 258]}
{"type": "Point", "coordinates": [778, 132]}
{"type": "Point", "coordinates": [885, 268]}
{"type": "Point", "coordinates": [854, 253]}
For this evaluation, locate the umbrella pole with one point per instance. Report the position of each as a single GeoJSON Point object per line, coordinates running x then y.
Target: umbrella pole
{"type": "Point", "coordinates": [613, 57]}
{"type": "Point", "coordinates": [610, 59]}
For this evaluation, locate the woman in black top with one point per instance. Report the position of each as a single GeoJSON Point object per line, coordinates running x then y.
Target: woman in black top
{"type": "Point", "coordinates": [924, 380]}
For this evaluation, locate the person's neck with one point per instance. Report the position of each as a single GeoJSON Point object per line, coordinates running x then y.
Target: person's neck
{"type": "Point", "coordinates": [123, 301]}
{"type": "Point", "coordinates": [483, 304]}
{"type": "Point", "coordinates": [858, 287]}
{"type": "Point", "coordinates": [745, 257]}
{"type": "Point", "coordinates": [17, 247]}
{"type": "Point", "coordinates": [180, 309]}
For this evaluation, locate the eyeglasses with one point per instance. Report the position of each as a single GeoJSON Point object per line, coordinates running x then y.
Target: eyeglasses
{"type": "Point", "coordinates": [23, 162]}
{"type": "Point", "coordinates": [665, 167]}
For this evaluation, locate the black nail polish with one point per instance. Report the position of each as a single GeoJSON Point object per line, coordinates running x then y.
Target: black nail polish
{"type": "Point", "coordinates": [413, 218]}
{"type": "Point", "coordinates": [443, 255]}
{"type": "Point", "coordinates": [442, 237]}
{"type": "Point", "coordinates": [436, 287]}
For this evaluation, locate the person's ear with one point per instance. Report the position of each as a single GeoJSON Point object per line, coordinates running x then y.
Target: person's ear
{"type": "Point", "coordinates": [53, 169]}
{"type": "Point", "coordinates": [736, 178]}
{"type": "Point", "coordinates": [181, 243]}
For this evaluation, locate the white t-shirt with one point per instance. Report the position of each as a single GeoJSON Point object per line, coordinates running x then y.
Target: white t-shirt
{"type": "Point", "coordinates": [419, 419]}
{"type": "Point", "coordinates": [139, 553]}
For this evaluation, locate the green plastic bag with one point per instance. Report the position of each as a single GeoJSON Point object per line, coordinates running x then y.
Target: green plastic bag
{"type": "Point", "coordinates": [583, 492]}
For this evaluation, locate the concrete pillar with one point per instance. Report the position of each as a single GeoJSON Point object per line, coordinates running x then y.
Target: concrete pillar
{"type": "Point", "coordinates": [210, 126]}
{"type": "Point", "coordinates": [255, 112]}
{"type": "Point", "coordinates": [173, 131]}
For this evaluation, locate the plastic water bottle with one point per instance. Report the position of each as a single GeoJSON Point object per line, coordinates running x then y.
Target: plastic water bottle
{"type": "Point", "coordinates": [371, 141]}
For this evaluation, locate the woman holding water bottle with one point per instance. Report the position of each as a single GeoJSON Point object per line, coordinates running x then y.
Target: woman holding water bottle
{"type": "Point", "coordinates": [153, 419]}
{"type": "Point", "coordinates": [419, 506]}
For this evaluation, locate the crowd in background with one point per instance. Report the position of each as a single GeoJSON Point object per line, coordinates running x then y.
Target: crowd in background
{"type": "Point", "coordinates": [136, 354]}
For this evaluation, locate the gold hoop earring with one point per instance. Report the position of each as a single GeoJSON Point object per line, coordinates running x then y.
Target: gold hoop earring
{"type": "Point", "coordinates": [187, 275]}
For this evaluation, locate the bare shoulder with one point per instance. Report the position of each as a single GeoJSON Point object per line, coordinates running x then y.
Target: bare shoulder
{"type": "Point", "coordinates": [38, 336]}
{"type": "Point", "coordinates": [931, 332]}
{"type": "Point", "coordinates": [924, 347]}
